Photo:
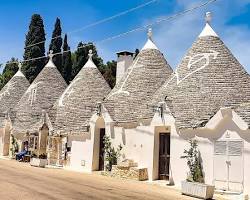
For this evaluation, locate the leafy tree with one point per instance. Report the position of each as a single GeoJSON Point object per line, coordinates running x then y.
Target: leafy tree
{"type": "Point", "coordinates": [34, 48]}
{"type": "Point", "coordinates": [193, 157]}
{"type": "Point", "coordinates": [66, 60]}
{"type": "Point", "coordinates": [110, 73]}
{"type": "Point", "coordinates": [56, 45]}
{"type": "Point", "coordinates": [81, 57]}
{"type": "Point", "coordinates": [9, 70]}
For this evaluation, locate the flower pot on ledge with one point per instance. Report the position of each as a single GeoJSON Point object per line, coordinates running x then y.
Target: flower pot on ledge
{"type": "Point", "coordinates": [199, 190]}
{"type": "Point", "coordinates": [38, 162]}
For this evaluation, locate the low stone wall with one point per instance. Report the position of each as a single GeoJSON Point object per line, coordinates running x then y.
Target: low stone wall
{"type": "Point", "coordinates": [134, 173]}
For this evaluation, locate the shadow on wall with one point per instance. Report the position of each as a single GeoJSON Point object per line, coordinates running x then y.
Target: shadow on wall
{"type": "Point", "coordinates": [216, 133]}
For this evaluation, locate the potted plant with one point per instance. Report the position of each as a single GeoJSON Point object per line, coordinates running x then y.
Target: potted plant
{"type": "Point", "coordinates": [40, 161]}
{"type": "Point", "coordinates": [194, 184]}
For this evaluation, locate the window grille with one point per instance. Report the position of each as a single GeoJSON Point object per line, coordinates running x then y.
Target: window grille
{"type": "Point", "coordinates": [220, 148]}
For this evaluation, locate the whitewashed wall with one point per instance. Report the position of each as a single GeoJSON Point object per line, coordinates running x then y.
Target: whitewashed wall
{"type": "Point", "coordinates": [1, 141]}
{"type": "Point", "coordinates": [142, 144]}
{"type": "Point", "coordinates": [138, 145]}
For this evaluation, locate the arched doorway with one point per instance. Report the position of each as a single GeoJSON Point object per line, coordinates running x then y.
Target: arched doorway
{"type": "Point", "coordinates": [99, 159]}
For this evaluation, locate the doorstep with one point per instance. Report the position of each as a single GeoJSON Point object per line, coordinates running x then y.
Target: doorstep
{"type": "Point", "coordinates": [54, 166]}
{"type": "Point", "coordinates": [5, 158]}
{"type": "Point", "coordinates": [229, 195]}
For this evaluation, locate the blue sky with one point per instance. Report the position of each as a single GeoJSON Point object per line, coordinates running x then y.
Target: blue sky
{"type": "Point", "coordinates": [231, 21]}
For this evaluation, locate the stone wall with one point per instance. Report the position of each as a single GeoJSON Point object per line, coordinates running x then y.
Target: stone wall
{"type": "Point", "coordinates": [134, 173]}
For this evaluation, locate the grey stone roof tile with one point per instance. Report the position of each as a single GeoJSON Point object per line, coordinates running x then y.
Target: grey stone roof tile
{"type": "Point", "coordinates": [208, 77]}
{"type": "Point", "coordinates": [129, 99]}
{"type": "Point", "coordinates": [38, 99]}
{"type": "Point", "coordinates": [11, 93]}
{"type": "Point", "coordinates": [73, 110]}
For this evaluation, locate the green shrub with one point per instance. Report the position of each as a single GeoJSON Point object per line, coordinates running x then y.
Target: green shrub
{"type": "Point", "coordinates": [14, 146]}
{"type": "Point", "coordinates": [111, 154]}
{"type": "Point", "coordinates": [193, 157]}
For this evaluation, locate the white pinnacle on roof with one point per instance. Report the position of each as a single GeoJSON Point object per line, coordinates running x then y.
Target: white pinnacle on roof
{"type": "Point", "coordinates": [50, 63]}
{"type": "Point", "coordinates": [19, 72]}
{"type": "Point", "coordinates": [149, 44]}
{"type": "Point", "coordinates": [208, 31]}
{"type": "Point", "coordinates": [90, 63]}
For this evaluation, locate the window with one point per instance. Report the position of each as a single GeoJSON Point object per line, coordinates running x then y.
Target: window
{"type": "Point", "coordinates": [33, 142]}
{"type": "Point", "coordinates": [235, 148]}
{"type": "Point", "coordinates": [220, 148]}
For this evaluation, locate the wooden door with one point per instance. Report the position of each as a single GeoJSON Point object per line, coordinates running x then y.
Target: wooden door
{"type": "Point", "coordinates": [164, 156]}
{"type": "Point", "coordinates": [101, 149]}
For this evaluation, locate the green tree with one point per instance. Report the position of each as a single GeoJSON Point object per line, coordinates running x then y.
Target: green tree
{"type": "Point", "coordinates": [66, 60]}
{"type": "Point", "coordinates": [56, 45]}
{"type": "Point", "coordinates": [34, 48]}
{"type": "Point", "coordinates": [9, 70]}
{"type": "Point", "coordinates": [110, 73]}
{"type": "Point", "coordinates": [194, 162]}
{"type": "Point", "coordinates": [81, 57]}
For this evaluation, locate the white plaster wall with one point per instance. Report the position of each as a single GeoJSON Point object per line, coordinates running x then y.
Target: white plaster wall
{"type": "Point", "coordinates": [142, 145]}
{"type": "Point", "coordinates": [223, 124]}
{"type": "Point", "coordinates": [5, 139]}
{"type": "Point", "coordinates": [247, 166]}
{"type": "Point", "coordinates": [81, 153]}
{"type": "Point", "coordinates": [178, 167]}
{"type": "Point", "coordinates": [85, 148]}
{"type": "Point", "coordinates": [138, 145]}
{"type": "Point", "coordinates": [1, 141]}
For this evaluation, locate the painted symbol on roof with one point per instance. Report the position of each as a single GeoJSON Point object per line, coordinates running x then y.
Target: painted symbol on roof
{"type": "Point", "coordinates": [6, 91]}
{"type": "Point", "coordinates": [195, 59]}
{"type": "Point", "coordinates": [192, 61]}
{"type": "Point", "coordinates": [67, 92]}
{"type": "Point", "coordinates": [130, 70]}
{"type": "Point", "coordinates": [32, 90]}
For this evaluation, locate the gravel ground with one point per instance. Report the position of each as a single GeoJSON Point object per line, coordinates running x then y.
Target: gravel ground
{"type": "Point", "coordinates": [20, 181]}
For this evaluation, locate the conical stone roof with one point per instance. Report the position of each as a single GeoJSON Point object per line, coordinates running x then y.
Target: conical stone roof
{"type": "Point", "coordinates": [77, 104]}
{"type": "Point", "coordinates": [11, 93]}
{"type": "Point", "coordinates": [208, 77]}
{"type": "Point", "coordinates": [128, 101]}
{"type": "Point", "coordinates": [243, 110]}
{"type": "Point", "coordinates": [39, 98]}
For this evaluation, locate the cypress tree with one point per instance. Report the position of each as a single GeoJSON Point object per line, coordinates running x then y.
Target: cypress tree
{"type": "Point", "coordinates": [56, 44]}
{"type": "Point", "coordinates": [66, 60]}
{"type": "Point", "coordinates": [36, 34]}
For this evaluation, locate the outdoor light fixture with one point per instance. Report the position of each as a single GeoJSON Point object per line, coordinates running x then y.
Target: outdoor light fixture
{"type": "Point", "coordinates": [158, 108]}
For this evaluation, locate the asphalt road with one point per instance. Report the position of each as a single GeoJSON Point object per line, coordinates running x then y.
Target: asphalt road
{"type": "Point", "coordinates": [19, 181]}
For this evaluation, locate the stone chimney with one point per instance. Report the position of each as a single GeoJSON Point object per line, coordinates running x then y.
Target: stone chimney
{"type": "Point", "coordinates": [124, 60]}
